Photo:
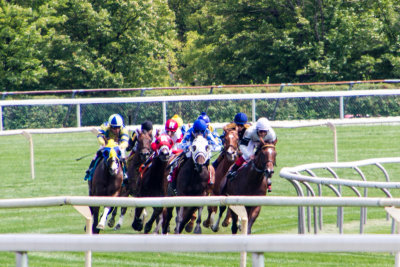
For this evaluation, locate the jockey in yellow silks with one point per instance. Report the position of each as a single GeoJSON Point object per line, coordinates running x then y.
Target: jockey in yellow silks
{"type": "Point", "coordinates": [114, 129]}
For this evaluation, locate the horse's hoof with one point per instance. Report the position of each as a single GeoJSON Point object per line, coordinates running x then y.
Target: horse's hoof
{"type": "Point", "coordinates": [225, 224]}
{"type": "Point", "coordinates": [111, 223]}
{"type": "Point", "coordinates": [137, 225]}
{"type": "Point", "coordinates": [189, 227]}
{"type": "Point", "coordinates": [197, 230]}
{"type": "Point", "coordinates": [100, 227]}
{"type": "Point", "coordinates": [206, 223]}
{"type": "Point", "coordinates": [117, 227]}
{"type": "Point", "coordinates": [214, 229]}
{"type": "Point", "coordinates": [147, 229]}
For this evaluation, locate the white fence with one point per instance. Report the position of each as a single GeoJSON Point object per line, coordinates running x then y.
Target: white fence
{"type": "Point", "coordinates": [256, 244]}
{"type": "Point", "coordinates": [297, 176]}
{"type": "Point", "coordinates": [163, 100]}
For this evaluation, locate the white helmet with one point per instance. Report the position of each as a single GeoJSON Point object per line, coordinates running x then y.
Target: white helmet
{"type": "Point", "coordinates": [116, 120]}
{"type": "Point", "coordinates": [263, 124]}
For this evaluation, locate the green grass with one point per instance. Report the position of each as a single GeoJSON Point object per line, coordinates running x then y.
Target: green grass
{"type": "Point", "coordinates": [58, 174]}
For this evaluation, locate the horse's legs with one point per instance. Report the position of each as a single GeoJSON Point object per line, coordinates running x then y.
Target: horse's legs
{"type": "Point", "coordinates": [197, 229]}
{"type": "Point", "coordinates": [253, 214]}
{"type": "Point", "coordinates": [166, 220]}
{"type": "Point", "coordinates": [234, 226]}
{"type": "Point", "coordinates": [95, 212]}
{"type": "Point", "coordinates": [111, 221]}
{"type": "Point", "coordinates": [156, 213]}
{"type": "Point", "coordinates": [227, 219]}
{"type": "Point", "coordinates": [189, 226]}
{"type": "Point", "coordinates": [103, 219]}
{"type": "Point", "coordinates": [137, 223]}
{"type": "Point", "coordinates": [178, 220]}
{"type": "Point", "coordinates": [215, 226]}
{"type": "Point", "coordinates": [159, 221]}
{"type": "Point", "coordinates": [210, 218]}
{"type": "Point", "coordinates": [186, 216]}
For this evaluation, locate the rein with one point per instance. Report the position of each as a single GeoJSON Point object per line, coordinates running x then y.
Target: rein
{"type": "Point", "coordinates": [265, 170]}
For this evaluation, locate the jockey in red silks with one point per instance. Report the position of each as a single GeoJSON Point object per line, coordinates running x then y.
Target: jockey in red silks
{"type": "Point", "coordinates": [251, 139]}
{"type": "Point", "coordinates": [171, 129]}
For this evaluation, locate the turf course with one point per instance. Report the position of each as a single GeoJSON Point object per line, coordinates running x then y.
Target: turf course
{"type": "Point", "coordinates": [58, 174]}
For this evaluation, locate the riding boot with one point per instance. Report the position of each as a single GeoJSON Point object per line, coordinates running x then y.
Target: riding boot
{"type": "Point", "coordinates": [125, 179]}
{"type": "Point", "coordinates": [232, 172]}
{"type": "Point", "coordinates": [90, 169]}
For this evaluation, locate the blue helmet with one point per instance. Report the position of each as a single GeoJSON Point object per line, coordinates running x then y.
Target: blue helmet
{"type": "Point", "coordinates": [240, 118]}
{"type": "Point", "coordinates": [203, 116]}
{"type": "Point", "coordinates": [199, 126]}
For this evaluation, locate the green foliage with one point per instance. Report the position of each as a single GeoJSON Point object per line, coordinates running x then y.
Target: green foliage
{"type": "Point", "coordinates": [86, 44]}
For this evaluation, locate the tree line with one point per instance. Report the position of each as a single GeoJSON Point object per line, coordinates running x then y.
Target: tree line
{"type": "Point", "coordinates": [70, 44]}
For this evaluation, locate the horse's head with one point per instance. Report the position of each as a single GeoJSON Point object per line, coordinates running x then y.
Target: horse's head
{"type": "Point", "coordinates": [163, 147]}
{"type": "Point", "coordinates": [144, 145]}
{"type": "Point", "coordinates": [200, 152]}
{"type": "Point", "coordinates": [231, 143]}
{"type": "Point", "coordinates": [112, 154]}
{"type": "Point", "coordinates": [265, 159]}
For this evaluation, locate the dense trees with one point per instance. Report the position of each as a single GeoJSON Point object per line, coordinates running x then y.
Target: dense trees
{"type": "Point", "coordinates": [90, 44]}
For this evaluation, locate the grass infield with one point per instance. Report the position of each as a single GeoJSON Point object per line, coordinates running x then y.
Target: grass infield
{"type": "Point", "coordinates": [58, 174]}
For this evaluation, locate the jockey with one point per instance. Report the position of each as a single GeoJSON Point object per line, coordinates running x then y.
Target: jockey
{"type": "Point", "coordinates": [114, 129]}
{"type": "Point", "coordinates": [250, 140]}
{"type": "Point", "coordinates": [181, 127]}
{"type": "Point", "coordinates": [203, 116]}
{"type": "Point", "coordinates": [199, 128]}
{"type": "Point", "coordinates": [146, 126]}
{"type": "Point", "coordinates": [239, 123]}
{"type": "Point", "coordinates": [172, 130]}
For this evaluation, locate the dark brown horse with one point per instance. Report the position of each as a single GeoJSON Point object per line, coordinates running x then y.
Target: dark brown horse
{"type": "Point", "coordinates": [153, 182]}
{"type": "Point", "coordinates": [106, 181]}
{"type": "Point", "coordinates": [251, 180]}
{"type": "Point", "coordinates": [229, 156]}
{"type": "Point", "coordinates": [135, 160]}
{"type": "Point", "coordinates": [192, 180]}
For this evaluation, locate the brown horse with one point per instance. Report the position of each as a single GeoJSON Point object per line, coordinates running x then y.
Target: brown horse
{"type": "Point", "coordinates": [106, 181]}
{"type": "Point", "coordinates": [192, 180]}
{"type": "Point", "coordinates": [251, 180]}
{"type": "Point", "coordinates": [135, 160]}
{"type": "Point", "coordinates": [153, 182]}
{"type": "Point", "coordinates": [229, 155]}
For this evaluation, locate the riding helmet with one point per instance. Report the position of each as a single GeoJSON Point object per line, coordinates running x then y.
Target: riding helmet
{"type": "Point", "coordinates": [203, 116]}
{"type": "Point", "coordinates": [178, 119]}
{"type": "Point", "coordinates": [147, 126]}
{"type": "Point", "coordinates": [116, 120]}
{"type": "Point", "coordinates": [171, 125]}
{"type": "Point", "coordinates": [240, 118]}
{"type": "Point", "coordinates": [263, 124]}
{"type": "Point", "coordinates": [199, 125]}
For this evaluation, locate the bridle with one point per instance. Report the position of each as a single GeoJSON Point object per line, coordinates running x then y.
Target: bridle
{"type": "Point", "coordinates": [265, 168]}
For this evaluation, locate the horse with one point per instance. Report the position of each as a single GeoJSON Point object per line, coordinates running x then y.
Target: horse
{"type": "Point", "coordinates": [153, 182]}
{"type": "Point", "coordinates": [106, 181]}
{"type": "Point", "coordinates": [229, 156]}
{"type": "Point", "coordinates": [251, 180]}
{"type": "Point", "coordinates": [143, 152]}
{"type": "Point", "coordinates": [192, 180]}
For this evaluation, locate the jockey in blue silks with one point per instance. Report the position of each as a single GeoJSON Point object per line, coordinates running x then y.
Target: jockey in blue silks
{"type": "Point", "coordinates": [199, 128]}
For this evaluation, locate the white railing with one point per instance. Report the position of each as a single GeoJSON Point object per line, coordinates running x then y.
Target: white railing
{"type": "Point", "coordinates": [256, 244]}
{"type": "Point", "coordinates": [296, 176]}
{"type": "Point", "coordinates": [183, 98]}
